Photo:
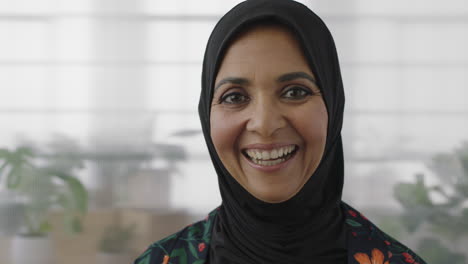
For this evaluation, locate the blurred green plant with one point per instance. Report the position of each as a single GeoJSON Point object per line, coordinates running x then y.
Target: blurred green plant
{"type": "Point", "coordinates": [448, 215]}
{"type": "Point", "coordinates": [434, 252]}
{"type": "Point", "coordinates": [116, 238]}
{"type": "Point", "coordinates": [44, 187]}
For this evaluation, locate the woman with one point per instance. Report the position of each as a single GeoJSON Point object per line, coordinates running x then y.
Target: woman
{"type": "Point", "coordinates": [271, 109]}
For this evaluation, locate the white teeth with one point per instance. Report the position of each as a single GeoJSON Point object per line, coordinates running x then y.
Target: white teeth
{"type": "Point", "coordinates": [268, 162]}
{"type": "Point", "coordinates": [280, 152]}
{"type": "Point", "coordinates": [272, 154]}
{"type": "Point", "coordinates": [265, 155]}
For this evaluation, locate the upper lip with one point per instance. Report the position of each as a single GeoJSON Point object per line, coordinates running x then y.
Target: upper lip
{"type": "Point", "coordinates": [267, 146]}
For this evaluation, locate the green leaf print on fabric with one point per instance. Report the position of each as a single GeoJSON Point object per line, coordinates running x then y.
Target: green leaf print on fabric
{"type": "Point", "coordinates": [353, 223]}
{"type": "Point", "coordinates": [145, 260]}
{"type": "Point", "coordinates": [206, 233]}
{"type": "Point", "coordinates": [161, 247]}
{"type": "Point", "coordinates": [167, 238]}
{"type": "Point", "coordinates": [193, 250]}
{"type": "Point", "coordinates": [193, 231]}
{"type": "Point", "coordinates": [181, 254]}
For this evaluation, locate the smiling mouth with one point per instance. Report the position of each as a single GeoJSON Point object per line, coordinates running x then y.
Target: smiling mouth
{"type": "Point", "coordinates": [270, 158]}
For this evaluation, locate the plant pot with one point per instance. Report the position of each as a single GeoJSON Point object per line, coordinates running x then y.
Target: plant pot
{"type": "Point", "coordinates": [114, 258]}
{"type": "Point", "coordinates": [11, 217]}
{"type": "Point", "coordinates": [32, 249]}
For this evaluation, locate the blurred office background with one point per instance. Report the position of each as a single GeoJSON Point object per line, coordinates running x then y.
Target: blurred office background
{"type": "Point", "coordinates": [113, 86]}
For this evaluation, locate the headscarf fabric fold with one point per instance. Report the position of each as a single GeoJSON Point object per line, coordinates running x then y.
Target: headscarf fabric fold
{"type": "Point", "coordinates": [309, 227]}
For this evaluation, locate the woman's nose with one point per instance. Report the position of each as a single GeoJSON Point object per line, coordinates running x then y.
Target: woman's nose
{"type": "Point", "coordinates": [265, 118]}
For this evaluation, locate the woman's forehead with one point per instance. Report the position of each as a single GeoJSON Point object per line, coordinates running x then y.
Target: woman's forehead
{"type": "Point", "coordinates": [260, 37]}
{"type": "Point", "coordinates": [270, 49]}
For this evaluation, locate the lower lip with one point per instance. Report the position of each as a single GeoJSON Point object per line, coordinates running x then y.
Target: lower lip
{"type": "Point", "coordinates": [273, 167]}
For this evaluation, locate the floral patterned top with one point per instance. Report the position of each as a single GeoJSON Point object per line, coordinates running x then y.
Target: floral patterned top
{"type": "Point", "coordinates": [367, 244]}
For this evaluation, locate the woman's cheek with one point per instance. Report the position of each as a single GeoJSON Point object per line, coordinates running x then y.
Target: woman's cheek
{"type": "Point", "coordinates": [317, 122]}
{"type": "Point", "coordinates": [312, 127]}
{"type": "Point", "coordinates": [225, 131]}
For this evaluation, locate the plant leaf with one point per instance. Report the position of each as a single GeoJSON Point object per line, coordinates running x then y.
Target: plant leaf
{"type": "Point", "coordinates": [79, 194]}
{"type": "Point", "coordinates": [45, 227]}
{"type": "Point", "coordinates": [13, 178]}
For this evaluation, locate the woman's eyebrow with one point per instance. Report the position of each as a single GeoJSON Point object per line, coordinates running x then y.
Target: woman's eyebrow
{"type": "Point", "coordinates": [296, 75]}
{"type": "Point", "coordinates": [283, 78]}
{"type": "Point", "coordinates": [233, 80]}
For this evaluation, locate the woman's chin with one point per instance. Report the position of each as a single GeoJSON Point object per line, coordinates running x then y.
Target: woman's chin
{"type": "Point", "coordinates": [271, 194]}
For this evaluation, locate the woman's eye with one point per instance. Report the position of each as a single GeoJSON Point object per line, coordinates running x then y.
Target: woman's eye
{"type": "Point", "coordinates": [234, 98]}
{"type": "Point", "coordinates": [296, 93]}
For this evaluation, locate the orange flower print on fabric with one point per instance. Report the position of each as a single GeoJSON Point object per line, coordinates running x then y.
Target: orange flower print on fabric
{"type": "Point", "coordinates": [377, 257]}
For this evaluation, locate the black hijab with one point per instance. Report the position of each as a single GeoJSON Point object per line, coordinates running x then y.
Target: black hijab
{"type": "Point", "coordinates": [309, 227]}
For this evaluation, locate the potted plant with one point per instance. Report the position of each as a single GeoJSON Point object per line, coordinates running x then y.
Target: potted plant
{"type": "Point", "coordinates": [41, 187]}
{"type": "Point", "coordinates": [447, 216]}
{"type": "Point", "coordinates": [114, 244]}
{"type": "Point", "coordinates": [11, 212]}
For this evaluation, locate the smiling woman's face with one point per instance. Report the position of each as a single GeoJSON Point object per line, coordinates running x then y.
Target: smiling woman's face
{"type": "Point", "coordinates": [268, 118]}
